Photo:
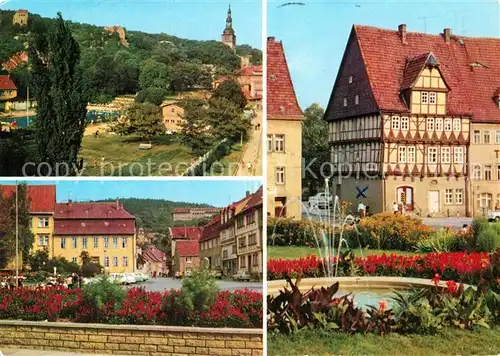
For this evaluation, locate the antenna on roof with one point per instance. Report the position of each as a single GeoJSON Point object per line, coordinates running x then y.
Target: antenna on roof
{"type": "Point", "coordinates": [425, 20]}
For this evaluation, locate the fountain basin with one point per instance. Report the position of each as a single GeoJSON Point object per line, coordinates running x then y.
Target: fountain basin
{"type": "Point", "coordinates": [365, 290]}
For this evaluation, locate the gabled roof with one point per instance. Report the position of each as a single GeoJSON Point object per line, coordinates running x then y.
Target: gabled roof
{"type": "Point", "coordinates": [212, 229]}
{"type": "Point", "coordinates": [22, 11]}
{"type": "Point", "coordinates": [471, 87]}
{"type": "Point", "coordinates": [6, 83]}
{"type": "Point", "coordinates": [414, 66]}
{"type": "Point", "coordinates": [187, 248]}
{"type": "Point", "coordinates": [249, 71]}
{"type": "Point", "coordinates": [186, 232]}
{"type": "Point", "coordinates": [94, 227]}
{"type": "Point", "coordinates": [153, 254]}
{"type": "Point", "coordinates": [255, 200]}
{"type": "Point", "coordinates": [281, 99]}
{"type": "Point", "coordinates": [108, 210]}
{"type": "Point", "coordinates": [42, 197]}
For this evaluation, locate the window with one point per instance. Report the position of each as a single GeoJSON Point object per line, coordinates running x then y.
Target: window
{"type": "Point", "coordinates": [252, 239]}
{"type": "Point", "coordinates": [402, 154]}
{"type": "Point", "coordinates": [395, 123]}
{"type": "Point", "coordinates": [424, 97]}
{"type": "Point", "coordinates": [345, 101]}
{"type": "Point", "coordinates": [498, 199]}
{"type": "Point", "coordinates": [497, 136]}
{"type": "Point", "coordinates": [96, 242]}
{"type": "Point", "coordinates": [476, 172]}
{"type": "Point", "coordinates": [43, 222]}
{"type": "Point", "coordinates": [445, 155]}
{"type": "Point", "coordinates": [430, 124]}
{"type": "Point", "coordinates": [115, 261]}
{"type": "Point", "coordinates": [487, 172]}
{"type": "Point", "coordinates": [106, 242]}
{"type": "Point", "coordinates": [279, 143]}
{"type": "Point", "coordinates": [63, 242]}
{"type": "Point", "coordinates": [233, 249]}
{"type": "Point", "coordinates": [404, 123]}
{"type": "Point", "coordinates": [255, 259]}
{"type": "Point", "coordinates": [280, 175]}
{"type": "Point", "coordinates": [447, 125]}
{"type": "Point", "coordinates": [459, 196]}
{"type": "Point", "coordinates": [433, 153]}
{"type": "Point", "coordinates": [250, 218]}
{"type": "Point", "coordinates": [410, 154]}
{"type": "Point", "coordinates": [43, 240]}
{"type": "Point", "coordinates": [124, 242]}
{"type": "Point", "coordinates": [458, 153]}
{"type": "Point", "coordinates": [477, 136]}
{"type": "Point", "coordinates": [106, 261]}
{"type": "Point", "coordinates": [74, 242]}
{"type": "Point", "coordinates": [448, 196]}
{"type": "Point", "coordinates": [498, 172]}
{"type": "Point", "coordinates": [432, 98]}
{"type": "Point", "coordinates": [457, 125]}
{"type": "Point", "coordinates": [242, 241]}
{"type": "Point", "coordinates": [269, 143]}
{"type": "Point", "coordinates": [243, 261]}
{"type": "Point", "coordinates": [484, 200]}
{"type": "Point", "coordinates": [84, 242]}
{"type": "Point", "coordinates": [115, 242]}
{"type": "Point", "coordinates": [239, 223]}
{"type": "Point", "coordinates": [356, 100]}
{"type": "Point", "coordinates": [486, 136]}
{"type": "Point", "coordinates": [350, 79]}
{"type": "Point", "coordinates": [225, 254]}
{"type": "Point", "coordinates": [74, 260]}
{"type": "Point", "coordinates": [439, 124]}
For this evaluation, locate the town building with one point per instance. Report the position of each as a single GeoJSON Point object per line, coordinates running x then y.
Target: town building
{"type": "Point", "coordinates": [250, 80]}
{"type": "Point", "coordinates": [249, 224]}
{"type": "Point", "coordinates": [210, 246]}
{"type": "Point", "coordinates": [284, 137]}
{"type": "Point", "coordinates": [181, 233]}
{"type": "Point", "coordinates": [172, 115]}
{"type": "Point", "coordinates": [105, 230]}
{"type": "Point", "coordinates": [401, 115]}
{"type": "Point", "coordinates": [155, 261]}
{"type": "Point", "coordinates": [188, 214]}
{"type": "Point", "coordinates": [229, 251]}
{"type": "Point", "coordinates": [16, 60]}
{"type": "Point", "coordinates": [20, 18]}
{"type": "Point", "coordinates": [121, 33]}
{"type": "Point", "coordinates": [229, 36]}
{"type": "Point", "coordinates": [186, 257]}
{"type": "Point", "coordinates": [8, 91]}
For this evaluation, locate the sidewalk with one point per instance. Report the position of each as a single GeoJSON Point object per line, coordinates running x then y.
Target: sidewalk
{"type": "Point", "coordinates": [25, 352]}
{"type": "Point", "coordinates": [253, 154]}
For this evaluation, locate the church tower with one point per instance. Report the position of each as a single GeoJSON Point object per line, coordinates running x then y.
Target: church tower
{"type": "Point", "coordinates": [228, 37]}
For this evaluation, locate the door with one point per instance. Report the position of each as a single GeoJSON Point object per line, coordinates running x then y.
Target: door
{"type": "Point", "coordinates": [280, 207]}
{"type": "Point", "coordinates": [434, 201]}
{"type": "Point", "coordinates": [249, 268]}
{"type": "Point", "coordinates": [405, 197]}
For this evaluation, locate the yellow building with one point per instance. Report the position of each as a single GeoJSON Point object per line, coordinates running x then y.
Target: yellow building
{"type": "Point", "coordinates": [284, 137]}
{"type": "Point", "coordinates": [105, 230]}
{"type": "Point", "coordinates": [8, 91]}
{"type": "Point", "coordinates": [172, 115]}
{"type": "Point", "coordinates": [20, 18]}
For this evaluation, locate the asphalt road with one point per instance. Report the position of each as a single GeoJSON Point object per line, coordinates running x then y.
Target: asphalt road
{"type": "Point", "coordinates": [160, 284]}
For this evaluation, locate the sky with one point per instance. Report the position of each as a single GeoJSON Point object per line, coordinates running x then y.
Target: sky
{"type": "Point", "coordinates": [198, 20]}
{"type": "Point", "coordinates": [314, 35]}
{"type": "Point", "coordinates": [217, 193]}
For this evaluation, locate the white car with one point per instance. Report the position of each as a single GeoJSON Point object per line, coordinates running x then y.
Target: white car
{"type": "Point", "coordinates": [321, 200]}
{"type": "Point", "coordinates": [494, 215]}
{"type": "Point", "coordinates": [129, 278]}
{"type": "Point", "coordinates": [117, 278]}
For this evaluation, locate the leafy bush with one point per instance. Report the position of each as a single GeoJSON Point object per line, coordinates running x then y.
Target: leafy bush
{"type": "Point", "coordinates": [100, 294]}
{"type": "Point", "coordinates": [91, 269]}
{"type": "Point", "coordinates": [486, 235]}
{"type": "Point", "coordinates": [290, 232]}
{"type": "Point", "coordinates": [200, 291]}
{"type": "Point", "coordinates": [443, 240]}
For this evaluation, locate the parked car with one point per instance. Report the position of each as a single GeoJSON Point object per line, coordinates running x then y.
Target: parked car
{"type": "Point", "coordinates": [216, 273]}
{"type": "Point", "coordinates": [117, 278]}
{"type": "Point", "coordinates": [139, 277]}
{"type": "Point", "coordinates": [242, 276]}
{"type": "Point", "coordinates": [494, 215]}
{"type": "Point", "coordinates": [321, 200]}
{"type": "Point", "coordinates": [129, 278]}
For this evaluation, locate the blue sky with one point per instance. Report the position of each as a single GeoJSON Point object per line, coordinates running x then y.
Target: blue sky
{"type": "Point", "coordinates": [315, 35]}
{"type": "Point", "coordinates": [199, 20]}
{"type": "Point", "coordinates": [214, 192]}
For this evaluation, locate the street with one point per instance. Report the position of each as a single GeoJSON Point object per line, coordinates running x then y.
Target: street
{"type": "Point", "coordinates": [251, 162]}
{"type": "Point", "coordinates": [161, 284]}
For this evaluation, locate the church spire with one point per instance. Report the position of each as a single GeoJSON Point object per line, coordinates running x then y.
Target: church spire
{"type": "Point", "coordinates": [229, 19]}
{"type": "Point", "coordinates": [228, 36]}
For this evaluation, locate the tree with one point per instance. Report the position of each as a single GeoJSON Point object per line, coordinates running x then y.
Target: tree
{"type": "Point", "coordinates": [154, 74]}
{"type": "Point", "coordinates": [39, 260]}
{"type": "Point", "coordinates": [85, 257]}
{"type": "Point", "coordinates": [152, 95]}
{"type": "Point", "coordinates": [315, 149]}
{"type": "Point", "coordinates": [61, 95]}
{"type": "Point", "coordinates": [226, 120]}
{"type": "Point", "coordinates": [143, 120]}
{"type": "Point", "coordinates": [230, 90]}
{"type": "Point", "coordinates": [91, 269]}
{"type": "Point", "coordinates": [195, 133]}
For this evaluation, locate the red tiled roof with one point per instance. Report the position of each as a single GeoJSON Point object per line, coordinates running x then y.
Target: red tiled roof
{"type": "Point", "coordinates": [94, 227]}
{"type": "Point", "coordinates": [249, 71]}
{"type": "Point", "coordinates": [281, 99]}
{"type": "Point", "coordinates": [153, 254]}
{"type": "Point", "coordinates": [72, 210]}
{"type": "Point", "coordinates": [42, 197]}
{"type": "Point", "coordinates": [256, 199]}
{"type": "Point", "coordinates": [22, 11]}
{"type": "Point", "coordinates": [6, 83]}
{"type": "Point", "coordinates": [470, 67]}
{"type": "Point", "coordinates": [186, 248]}
{"type": "Point", "coordinates": [212, 229]}
{"type": "Point", "coordinates": [186, 232]}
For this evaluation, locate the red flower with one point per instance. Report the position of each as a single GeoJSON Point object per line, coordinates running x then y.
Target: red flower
{"type": "Point", "coordinates": [436, 279]}
{"type": "Point", "coordinates": [382, 305]}
{"type": "Point", "coordinates": [452, 286]}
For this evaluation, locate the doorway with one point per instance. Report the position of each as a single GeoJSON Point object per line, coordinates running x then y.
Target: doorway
{"type": "Point", "coordinates": [405, 197]}
{"type": "Point", "coordinates": [280, 207]}
{"type": "Point", "coordinates": [434, 201]}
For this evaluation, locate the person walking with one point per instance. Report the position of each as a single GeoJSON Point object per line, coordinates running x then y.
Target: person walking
{"type": "Point", "coordinates": [395, 208]}
{"type": "Point", "coordinates": [361, 209]}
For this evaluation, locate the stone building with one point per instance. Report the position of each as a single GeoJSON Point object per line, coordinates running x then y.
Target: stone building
{"type": "Point", "coordinates": [186, 257]}
{"type": "Point", "coordinates": [414, 119]}
{"type": "Point", "coordinates": [187, 214]}
{"type": "Point", "coordinates": [20, 18]}
{"type": "Point", "coordinates": [284, 137]}
{"type": "Point", "coordinates": [172, 113]}
{"type": "Point", "coordinates": [210, 246]}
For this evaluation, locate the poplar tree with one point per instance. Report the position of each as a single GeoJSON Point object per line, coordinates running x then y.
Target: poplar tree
{"type": "Point", "coordinates": [61, 95]}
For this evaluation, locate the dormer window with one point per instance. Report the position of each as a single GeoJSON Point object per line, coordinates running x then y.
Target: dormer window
{"type": "Point", "coordinates": [424, 97]}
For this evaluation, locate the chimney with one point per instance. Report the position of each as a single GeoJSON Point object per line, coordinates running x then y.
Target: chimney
{"type": "Point", "coordinates": [402, 33]}
{"type": "Point", "coordinates": [447, 35]}
{"type": "Point", "coordinates": [271, 39]}
{"type": "Point", "coordinates": [117, 203]}
{"type": "Point", "coordinates": [70, 202]}
{"type": "Point", "coordinates": [248, 193]}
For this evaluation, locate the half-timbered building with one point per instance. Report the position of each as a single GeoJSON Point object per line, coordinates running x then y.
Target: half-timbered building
{"type": "Point", "coordinates": [401, 115]}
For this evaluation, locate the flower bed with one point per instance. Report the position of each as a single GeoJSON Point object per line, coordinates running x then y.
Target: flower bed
{"type": "Point", "coordinates": [458, 266]}
{"type": "Point", "coordinates": [241, 308]}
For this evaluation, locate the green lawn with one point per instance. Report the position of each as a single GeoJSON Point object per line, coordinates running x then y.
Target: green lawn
{"type": "Point", "coordinates": [447, 342]}
{"type": "Point", "coordinates": [229, 163]}
{"type": "Point", "coordinates": [294, 252]}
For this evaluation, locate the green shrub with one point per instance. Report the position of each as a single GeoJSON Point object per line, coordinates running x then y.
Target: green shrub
{"type": "Point", "coordinates": [443, 240]}
{"type": "Point", "coordinates": [200, 291]}
{"type": "Point", "coordinates": [486, 235]}
{"type": "Point", "coordinates": [289, 232]}
{"type": "Point", "coordinates": [91, 269]}
{"type": "Point", "coordinates": [99, 293]}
